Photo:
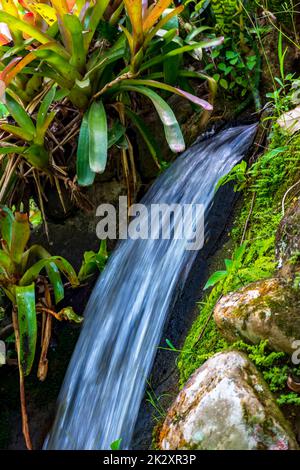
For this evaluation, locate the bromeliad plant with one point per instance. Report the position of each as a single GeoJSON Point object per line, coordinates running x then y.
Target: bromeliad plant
{"type": "Point", "coordinates": [31, 133]}
{"type": "Point", "coordinates": [24, 151]}
{"type": "Point", "coordinates": [101, 64]}
{"type": "Point", "coordinates": [33, 288]}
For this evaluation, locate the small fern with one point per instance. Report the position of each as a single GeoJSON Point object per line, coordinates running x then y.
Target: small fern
{"type": "Point", "coordinates": [224, 11]}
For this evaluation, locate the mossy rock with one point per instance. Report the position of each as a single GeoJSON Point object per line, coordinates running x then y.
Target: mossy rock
{"type": "Point", "coordinates": [264, 310]}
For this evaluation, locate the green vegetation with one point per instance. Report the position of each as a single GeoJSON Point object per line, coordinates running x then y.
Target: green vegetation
{"type": "Point", "coordinates": [265, 186]}
{"type": "Point", "coordinates": [116, 445]}
{"type": "Point", "coordinates": [103, 60]}
{"type": "Point", "coordinates": [29, 291]}
{"type": "Point", "coordinates": [93, 262]}
{"type": "Point", "coordinates": [256, 225]}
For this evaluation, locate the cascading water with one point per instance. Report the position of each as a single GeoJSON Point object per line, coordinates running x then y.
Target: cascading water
{"type": "Point", "coordinates": [104, 385]}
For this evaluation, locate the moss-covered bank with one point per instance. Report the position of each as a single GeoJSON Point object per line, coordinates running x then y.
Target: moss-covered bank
{"type": "Point", "coordinates": [255, 227]}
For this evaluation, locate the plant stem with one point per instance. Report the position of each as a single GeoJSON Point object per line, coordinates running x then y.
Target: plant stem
{"type": "Point", "coordinates": [125, 76]}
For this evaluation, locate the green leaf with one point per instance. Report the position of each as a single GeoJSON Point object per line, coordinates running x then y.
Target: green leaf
{"type": "Point", "coordinates": [85, 175]}
{"type": "Point", "coordinates": [44, 107]}
{"type": "Point", "coordinates": [63, 265]}
{"type": "Point", "coordinates": [17, 132]}
{"type": "Point", "coordinates": [6, 225]}
{"type": "Point", "coordinates": [20, 116]}
{"type": "Point", "coordinates": [74, 26]}
{"type": "Point", "coordinates": [182, 50]}
{"type": "Point", "coordinates": [146, 134]}
{"type": "Point", "coordinates": [40, 137]}
{"type": "Point", "coordinates": [215, 278]}
{"type": "Point", "coordinates": [222, 66]}
{"type": "Point", "coordinates": [6, 264]}
{"type": "Point", "coordinates": [231, 54]}
{"type": "Point", "coordinates": [68, 313]}
{"type": "Point", "coordinates": [115, 133]}
{"type": "Point", "coordinates": [55, 280]}
{"type": "Point", "coordinates": [228, 264]}
{"type": "Point", "coordinates": [164, 86]}
{"type": "Point", "coordinates": [66, 268]}
{"type": "Point", "coordinates": [171, 346]}
{"type": "Point", "coordinates": [239, 253]}
{"type": "Point", "coordinates": [19, 25]}
{"type": "Point", "coordinates": [12, 149]}
{"type": "Point", "coordinates": [25, 298]}
{"type": "Point", "coordinates": [172, 129]}
{"type": "Point", "coordinates": [224, 83]}
{"type": "Point", "coordinates": [96, 14]}
{"type": "Point", "coordinates": [98, 138]}
{"type": "Point", "coordinates": [19, 236]}
{"type": "Point", "coordinates": [171, 65]}
{"type": "Point", "coordinates": [116, 445]}
{"type": "Point", "coordinates": [195, 32]}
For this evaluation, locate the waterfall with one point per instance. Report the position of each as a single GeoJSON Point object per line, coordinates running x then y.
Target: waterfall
{"type": "Point", "coordinates": [105, 382]}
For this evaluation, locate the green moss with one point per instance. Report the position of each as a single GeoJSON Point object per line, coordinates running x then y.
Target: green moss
{"type": "Point", "coordinates": [203, 339]}
{"type": "Point", "coordinates": [258, 220]}
{"type": "Point", "coordinates": [289, 399]}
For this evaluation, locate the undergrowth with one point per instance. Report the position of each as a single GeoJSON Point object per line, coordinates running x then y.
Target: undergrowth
{"type": "Point", "coordinates": [267, 182]}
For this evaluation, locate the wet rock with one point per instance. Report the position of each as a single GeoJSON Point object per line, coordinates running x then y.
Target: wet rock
{"type": "Point", "coordinates": [226, 405]}
{"type": "Point", "coordinates": [267, 309]}
{"type": "Point", "coordinates": [290, 121]}
{"type": "Point", "coordinates": [288, 240]}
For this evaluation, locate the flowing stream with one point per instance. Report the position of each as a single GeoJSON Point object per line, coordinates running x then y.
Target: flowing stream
{"type": "Point", "coordinates": [105, 382]}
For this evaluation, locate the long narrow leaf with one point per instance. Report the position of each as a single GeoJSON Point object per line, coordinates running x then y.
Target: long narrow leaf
{"type": "Point", "coordinates": [98, 139]}
{"type": "Point", "coordinates": [17, 131]}
{"type": "Point", "coordinates": [195, 32]}
{"type": "Point", "coordinates": [44, 107]}
{"type": "Point", "coordinates": [97, 12]}
{"type": "Point", "coordinates": [163, 86]}
{"type": "Point", "coordinates": [17, 24]}
{"type": "Point", "coordinates": [63, 265]}
{"type": "Point", "coordinates": [155, 13]}
{"type": "Point", "coordinates": [181, 50]}
{"type": "Point", "coordinates": [50, 46]}
{"type": "Point", "coordinates": [25, 297]}
{"type": "Point", "coordinates": [55, 280]}
{"type": "Point", "coordinates": [41, 131]}
{"type": "Point", "coordinates": [78, 55]}
{"type": "Point", "coordinates": [115, 134]}
{"type": "Point", "coordinates": [135, 12]}
{"type": "Point", "coordinates": [85, 175]}
{"type": "Point", "coordinates": [20, 236]}
{"type": "Point", "coordinates": [172, 129]}
{"type": "Point", "coordinates": [61, 8]}
{"type": "Point", "coordinates": [212, 84]}
{"type": "Point", "coordinates": [162, 23]}
{"type": "Point", "coordinates": [6, 225]}
{"type": "Point", "coordinates": [20, 116]}
{"type": "Point", "coordinates": [5, 262]}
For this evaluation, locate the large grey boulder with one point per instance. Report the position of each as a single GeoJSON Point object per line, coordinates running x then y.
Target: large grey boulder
{"type": "Point", "coordinates": [267, 309]}
{"type": "Point", "coordinates": [225, 405]}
